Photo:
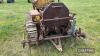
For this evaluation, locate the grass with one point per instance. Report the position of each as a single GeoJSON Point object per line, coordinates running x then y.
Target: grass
{"type": "Point", "coordinates": [12, 18]}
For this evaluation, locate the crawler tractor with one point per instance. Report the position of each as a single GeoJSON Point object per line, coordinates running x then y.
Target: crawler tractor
{"type": "Point", "coordinates": [52, 21]}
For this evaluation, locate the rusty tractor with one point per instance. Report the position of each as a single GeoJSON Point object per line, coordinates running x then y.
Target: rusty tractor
{"type": "Point", "coordinates": [50, 21]}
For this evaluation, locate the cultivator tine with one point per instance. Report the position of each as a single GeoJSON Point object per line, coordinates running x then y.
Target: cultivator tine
{"type": "Point", "coordinates": [80, 34]}
{"type": "Point", "coordinates": [29, 49]}
{"type": "Point", "coordinates": [57, 44]}
{"type": "Point", "coordinates": [72, 41]}
{"type": "Point", "coordinates": [23, 42]}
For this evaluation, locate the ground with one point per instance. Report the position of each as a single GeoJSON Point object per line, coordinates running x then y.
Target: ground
{"type": "Point", "coordinates": [12, 17]}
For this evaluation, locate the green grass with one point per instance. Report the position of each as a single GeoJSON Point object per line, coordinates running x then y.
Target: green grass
{"type": "Point", "coordinates": [12, 18]}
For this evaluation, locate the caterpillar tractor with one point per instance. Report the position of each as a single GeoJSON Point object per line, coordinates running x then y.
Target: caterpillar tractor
{"type": "Point", "coordinates": [52, 21]}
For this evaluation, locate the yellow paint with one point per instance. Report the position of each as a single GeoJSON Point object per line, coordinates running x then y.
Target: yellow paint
{"type": "Point", "coordinates": [41, 3]}
{"type": "Point", "coordinates": [37, 18]}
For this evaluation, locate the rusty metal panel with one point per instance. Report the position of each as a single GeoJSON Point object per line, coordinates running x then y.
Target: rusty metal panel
{"type": "Point", "coordinates": [55, 10]}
